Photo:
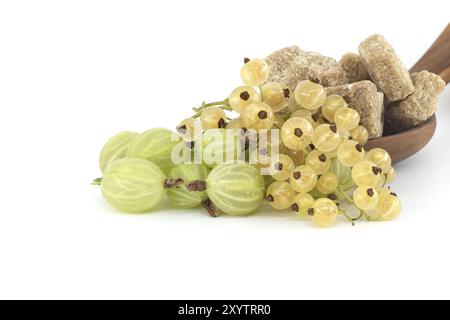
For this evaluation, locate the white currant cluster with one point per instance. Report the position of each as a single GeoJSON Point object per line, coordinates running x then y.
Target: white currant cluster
{"type": "Point", "coordinates": [317, 166]}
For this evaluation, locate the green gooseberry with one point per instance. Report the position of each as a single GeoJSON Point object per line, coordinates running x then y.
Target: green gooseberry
{"type": "Point", "coordinates": [116, 148]}
{"type": "Point", "coordinates": [155, 145]}
{"type": "Point", "coordinates": [181, 197]}
{"type": "Point", "coordinates": [219, 146]}
{"type": "Point", "coordinates": [235, 189]}
{"type": "Point", "coordinates": [135, 185]}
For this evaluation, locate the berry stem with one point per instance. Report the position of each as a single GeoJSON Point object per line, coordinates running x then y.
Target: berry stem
{"type": "Point", "coordinates": [224, 105]}
{"type": "Point", "coordinates": [196, 186]}
{"type": "Point", "coordinates": [97, 182]}
{"type": "Point", "coordinates": [173, 183]}
{"type": "Point", "coordinates": [385, 180]}
{"type": "Point", "coordinates": [210, 208]}
{"type": "Point", "coordinates": [350, 219]}
{"type": "Point", "coordinates": [345, 195]}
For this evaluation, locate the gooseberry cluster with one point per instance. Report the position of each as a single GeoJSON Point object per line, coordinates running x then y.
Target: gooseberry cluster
{"type": "Point", "coordinates": [301, 151]}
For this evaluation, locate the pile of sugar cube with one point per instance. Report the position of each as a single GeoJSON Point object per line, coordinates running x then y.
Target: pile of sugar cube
{"type": "Point", "coordinates": [374, 82]}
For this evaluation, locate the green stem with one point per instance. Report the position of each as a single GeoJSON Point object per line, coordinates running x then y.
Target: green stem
{"type": "Point", "coordinates": [385, 180]}
{"type": "Point", "coordinates": [350, 219]}
{"type": "Point", "coordinates": [97, 182]}
{"type": "Point", "coordinates": [224, 105]}
{"type": "Point", "coordinates": [362, 213]}
{"type": "Point", "coordinates": [345, 195]}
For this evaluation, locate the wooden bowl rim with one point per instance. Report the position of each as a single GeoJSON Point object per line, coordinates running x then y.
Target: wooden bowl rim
{"type": "Point", "coordinates": [430, 121]}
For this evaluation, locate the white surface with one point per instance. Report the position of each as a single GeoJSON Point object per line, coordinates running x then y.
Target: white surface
{"type": "Point", "coordinates": [73, 73]}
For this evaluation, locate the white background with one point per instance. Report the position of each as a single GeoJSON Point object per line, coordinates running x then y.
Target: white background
{"type": "Point", "coordinates": [73, 73]}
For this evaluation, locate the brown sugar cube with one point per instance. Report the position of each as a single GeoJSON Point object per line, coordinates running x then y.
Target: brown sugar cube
{"type": "Point", "coordinates": [353, 66]}
{"type": "Point", "coordinates": [419, 106]}
{"type": "Point", "coordinates": [280, 60]}
{"type": "Point", "coordinates": [314, 66]}
{"type": "Point", "coordinates": [364, 98]}
{"type": "Point", "coordinates": [385, 68]}
{"type": "Point", "coordinates": [381, 103]}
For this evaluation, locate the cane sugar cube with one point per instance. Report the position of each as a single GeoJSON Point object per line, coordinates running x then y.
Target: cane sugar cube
{"type": "Point", "coordinates": [316, 67]}
{"type": "Point", "coordinates": [385, 68]}
{"type": "Point", "coordinates": [280, 60]}
{"type": "Point", "coordinates": [418, 107]}
{"type": "Point", "coordinates": [354, 67]}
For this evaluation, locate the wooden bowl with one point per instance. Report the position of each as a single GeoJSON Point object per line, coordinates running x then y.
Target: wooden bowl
{"type": "Point", "coordinates": [404, 144]}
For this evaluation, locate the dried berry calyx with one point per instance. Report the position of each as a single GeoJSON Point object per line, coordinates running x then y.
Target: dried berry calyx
{"type": "Point", "coordinates": [244, 95]}
{"type": "Point", "coordinates": [196, 185]}
{"type": "Point", "coordinates": [262, 115]}
{"type": "Point", "coordinates": [173, 183]}
{"type": "Point", "coordinates": [377, 170]}
{"type": "Point", "coordinates": [180, 196]}
{"type": "Point", "coordinates": [210, 208]}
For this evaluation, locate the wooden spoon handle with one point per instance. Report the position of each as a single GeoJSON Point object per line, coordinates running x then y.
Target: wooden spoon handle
{"type": "Point", "coordinates": [437, 58]}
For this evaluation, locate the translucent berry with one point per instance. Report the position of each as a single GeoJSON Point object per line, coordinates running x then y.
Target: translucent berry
{"type": "Point", "coordinates": [389, 175]}
{"type": "Point", "coordinates": [366, 174]}
{"type": "Point", "coordinates": [380, 157]}
{"type": "Point", "coordinates": [350, 153]}
{"type": "Point", "coordinates": [254, 73]}
{"type": "Point", "coordinates": [312, 117]}
{"type": "Point", "coordinates": [235, 124]}
{"type": "Point", "coordinates": [310, 95]}
{"type": "Point", "coordinates": [346, 118]}
{"type": "Point", "coordinates": [331, 105]}
{"type": "Point", "coordinates": [280, 195]}
{"type": "Point", "coordinates": [326, 138]}
{"type": "Point", "coordinates": [258, 116]}
{"type": "Point", "coordinates": [276, 95]}
{"type": "Point", "coordinates": [298, 156]}
{"type": "Point", "coordinates": [282, 168]}
{"type": "Point", "coordinates": [302, 203]}
{"type": "Point", "coordinates": [318, 161]}
{"type": "Point", "coordinates": [303, 179]}
{"type": "Point", "coordinates": [389, 206]}
{"type": "Point", "coordinates": [365, 198]}
{"type": "Point", "coordinates": [360, 134]}
{"type": "Point", "coordinates": [296, 133]}
{"type": "Point", "coordinates": [190, 129]}
{"type": "Point", "coordinates": [213, 118]}
{"type": "Point", "coordinates": [327, 183]}
{"type": "Point", "coordinates": [243, 96]}
{"type": "Point", "coordinates": [324, 212]}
